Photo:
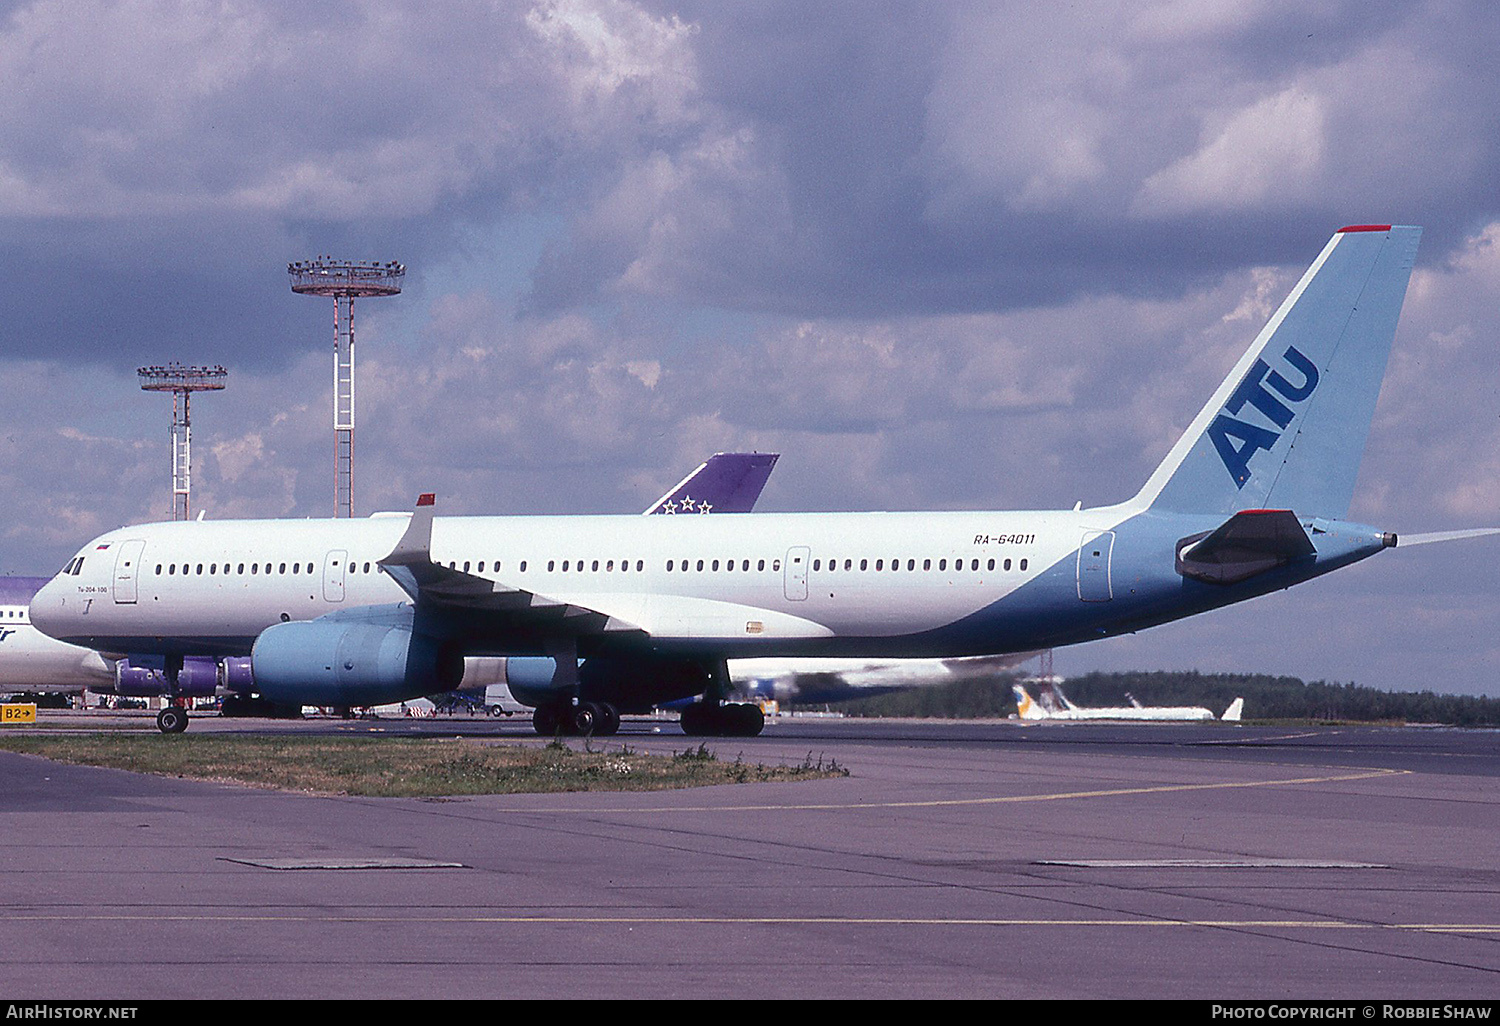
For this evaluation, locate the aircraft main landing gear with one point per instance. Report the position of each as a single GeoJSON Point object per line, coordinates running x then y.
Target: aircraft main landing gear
{"type": "Point", "coordinates": [596, 719]}
{"type": "Point", "coordinates": [731, 719]}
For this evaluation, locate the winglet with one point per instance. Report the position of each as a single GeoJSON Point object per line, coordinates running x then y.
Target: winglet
{"type": "Point", "coordinates": [415, 545]}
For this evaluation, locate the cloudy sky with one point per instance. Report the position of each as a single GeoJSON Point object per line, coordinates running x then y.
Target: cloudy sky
{"type": "Point", "coordinates": [956, 255]}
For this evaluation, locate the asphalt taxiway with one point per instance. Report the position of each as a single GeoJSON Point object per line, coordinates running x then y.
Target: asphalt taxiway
{"type": "Point", "coordinates": [957, 860]}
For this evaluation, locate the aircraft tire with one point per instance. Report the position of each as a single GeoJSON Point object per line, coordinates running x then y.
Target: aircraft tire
{"type": "Point", "coordinates": [545, 720]}
{"type": "Point", "coordinates": [172, 720]}
{"type": "Point", "coordinates": [748, 721]}
{"type": "Point", "coordinates": [695, 721]}
{"type": "Point", "coordinates": [609, 720]}
{"type": "Point", "coordinates": [585, 719]}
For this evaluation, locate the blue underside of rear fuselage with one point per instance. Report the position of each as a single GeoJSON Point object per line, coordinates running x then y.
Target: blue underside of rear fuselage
{"type": "Point", "coordinates": [1047, 612]}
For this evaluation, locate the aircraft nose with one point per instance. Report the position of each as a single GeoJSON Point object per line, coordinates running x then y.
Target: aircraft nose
{"type": "Point", "coordinates": [49, 612]}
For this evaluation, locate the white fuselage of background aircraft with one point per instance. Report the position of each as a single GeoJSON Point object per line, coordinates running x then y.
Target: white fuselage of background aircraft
{"type": "Point", "coordinates": [30, 660]}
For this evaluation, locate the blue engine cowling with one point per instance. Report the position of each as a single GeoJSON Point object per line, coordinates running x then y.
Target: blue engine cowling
{"type": "Point", "coordinates": [199, 678]}
{"type": "Point", "coordinates": [319, 662]}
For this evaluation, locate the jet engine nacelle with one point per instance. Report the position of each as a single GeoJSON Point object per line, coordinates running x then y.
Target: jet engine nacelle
{"type": "Point", "coordinates": [346, 664]}
{"type": "Point", "coordinates": [236, 674]}
{"type": "Point", "coordinates": [630, 685]}
{"type": "Point", "coordinates": [482, 671]}
{"type": "Point", "coordinates": [199, 678]}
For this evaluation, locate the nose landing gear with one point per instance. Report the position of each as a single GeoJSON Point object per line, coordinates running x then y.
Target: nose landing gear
{"type": "Point", "coordinates": [172, 720]}
{"type": "Point", "coordinates": [730, 719]}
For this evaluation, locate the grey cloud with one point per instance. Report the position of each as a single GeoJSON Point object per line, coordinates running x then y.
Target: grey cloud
{"type": "Point", "coordinates": [973, 157]}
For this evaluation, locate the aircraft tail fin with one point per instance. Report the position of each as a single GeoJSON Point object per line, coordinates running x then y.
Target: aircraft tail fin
{"type": "Point", "coordinates": [727, 482]}
{"type": "Point", "coordinates": [1287, 427]}
{"type": "Point", "coordinates": [1025, 707]}
{"type": "Point", "coordinates": [1232, 714]}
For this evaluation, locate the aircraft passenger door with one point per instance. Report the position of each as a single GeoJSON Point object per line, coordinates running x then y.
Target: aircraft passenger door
{"type": "Point", "coordinates": [1094, 554]}
{"type": "Point", "coordinates": [333, 575]}
{"type": "Point", "coordinates": [127, 570]}
{"type": "Point", "coordinates": [796, 572]}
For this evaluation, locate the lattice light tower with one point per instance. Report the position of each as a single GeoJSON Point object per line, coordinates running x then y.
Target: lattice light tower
{"type": "Point", "coordinates": [182, 382]}
{"type": "Point", "coordinates": [344, 281]}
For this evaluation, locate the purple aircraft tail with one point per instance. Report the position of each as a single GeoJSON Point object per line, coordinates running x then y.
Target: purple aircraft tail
{"type": "Point", "coordinates": [729, 482]}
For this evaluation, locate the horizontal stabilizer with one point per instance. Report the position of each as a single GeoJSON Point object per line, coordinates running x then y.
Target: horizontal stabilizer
{"type": "Point", "coordinates": [1250, 542]}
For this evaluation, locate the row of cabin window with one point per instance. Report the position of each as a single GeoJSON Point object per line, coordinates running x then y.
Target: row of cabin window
{"type": "Point", "coordinates": [255, 568]}
{"type": "Point", "coordinates": [833, 564]}
{"type": "Point", "coordinates": [577, 565]}
{"type": "Point", "coordinates": [911, 564]}
{"type": "Point", "coordinates": [609, 566]}
{"type": "Point", "coordinates": [297, 568]}
{"type": "Point", "coordinates": [713, 564]}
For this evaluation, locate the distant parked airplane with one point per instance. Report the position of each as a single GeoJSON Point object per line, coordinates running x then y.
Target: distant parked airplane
{"type": "Point", "coordinates": [810, 681]}
{"type": "Point", "coordinates": [1062, 709]}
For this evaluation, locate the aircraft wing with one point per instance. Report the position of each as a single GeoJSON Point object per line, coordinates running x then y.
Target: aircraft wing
{"type": "Point", "coordinates": [436, 589]}
{"type": "Point", "coordinates": [477, 605]}
{"type": "Point", "coordinates": [727, 482]}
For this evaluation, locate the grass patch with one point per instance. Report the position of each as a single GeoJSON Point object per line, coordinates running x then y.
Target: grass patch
{"type": "Point", "coordinates": [410, 767]}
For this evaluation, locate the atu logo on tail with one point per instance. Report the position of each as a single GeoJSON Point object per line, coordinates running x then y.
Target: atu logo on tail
{"type": "Point", "coordinates": [1254, 390]}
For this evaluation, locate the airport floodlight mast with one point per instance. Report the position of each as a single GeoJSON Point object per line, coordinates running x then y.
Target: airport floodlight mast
{"type": "Point", "coordinates": [344, 281]}
{"type": "Point", "coordinates": [182, 382]}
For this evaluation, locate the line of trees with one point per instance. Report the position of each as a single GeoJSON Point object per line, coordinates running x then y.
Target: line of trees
{"type": "Point", "coordinates": [1266, 698]}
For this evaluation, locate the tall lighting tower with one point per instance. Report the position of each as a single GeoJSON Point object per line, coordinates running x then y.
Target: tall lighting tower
{"type": "Point", "coordinates": [344, 281]}
{"type": "Point", "coordinates": [182, 382]}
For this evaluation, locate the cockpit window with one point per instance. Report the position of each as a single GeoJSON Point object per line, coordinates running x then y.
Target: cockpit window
{"type": "Point", "coordinates": [77, 566]}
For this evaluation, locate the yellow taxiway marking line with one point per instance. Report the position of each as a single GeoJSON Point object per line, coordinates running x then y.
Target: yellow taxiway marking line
{"type": "Point", "coordinates": [643, 920]}
{"type": "Point", "coordinates": [1003, 800]}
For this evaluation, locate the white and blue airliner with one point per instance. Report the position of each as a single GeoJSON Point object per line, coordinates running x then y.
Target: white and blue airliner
{"type": "Point", "coordinates": [598, 615]}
